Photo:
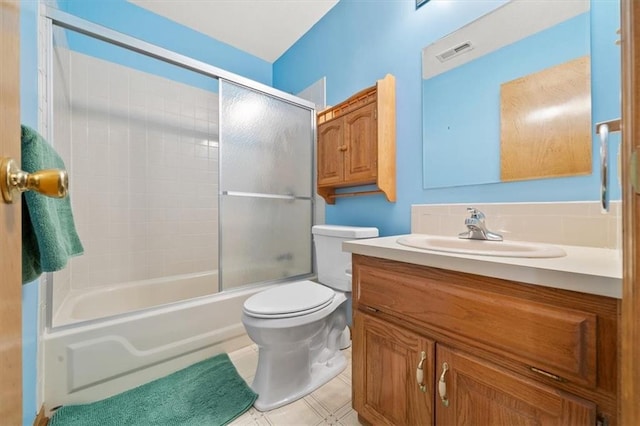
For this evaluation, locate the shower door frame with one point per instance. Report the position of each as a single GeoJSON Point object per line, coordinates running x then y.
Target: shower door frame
{"type": "Point", "coordinates": [222, 87]}
{"type": "Point", "coordinates": [54, 17]}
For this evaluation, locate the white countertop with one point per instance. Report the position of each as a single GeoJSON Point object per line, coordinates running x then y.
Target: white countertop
{"type": "Point", "coordinates": [584, 269]}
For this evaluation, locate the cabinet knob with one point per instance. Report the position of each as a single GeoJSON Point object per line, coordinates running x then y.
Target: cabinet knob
{"type": "Point", "coordinates": [442, 385]}
{"type": "Point", "coordinates": [342, 148]}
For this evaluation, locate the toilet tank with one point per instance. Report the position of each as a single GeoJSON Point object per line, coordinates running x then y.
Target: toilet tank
{"type": "Point", "coordinates": [331, 260]}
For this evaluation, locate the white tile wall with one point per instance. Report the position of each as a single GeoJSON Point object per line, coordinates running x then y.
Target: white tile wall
{"type": "Point", "coordinates": [567, 223]}
{"type": "Point", "coordinates": [142, 157]}
{"type": "Point", "coordinates": [61, 130]}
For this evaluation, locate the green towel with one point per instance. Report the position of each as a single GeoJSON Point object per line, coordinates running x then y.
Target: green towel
{"type": "Point", "coordinates": [209, 393]}
{"type": "Point", "coordinates": [49, 235]}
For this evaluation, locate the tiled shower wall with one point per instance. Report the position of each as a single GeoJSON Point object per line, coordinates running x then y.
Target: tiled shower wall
{"type": "Point", "coordinates": [142, 155]}
{"type": "Point", "coordinates": [62, 132]}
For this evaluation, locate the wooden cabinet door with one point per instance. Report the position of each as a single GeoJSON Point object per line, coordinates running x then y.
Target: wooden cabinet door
{"type": "Point", "coordinates": [331, 152]}
{"type": "Point", "coordinates": [385, 387]}
{"type": "Point", "coordinates": [480, 393]}
{"type": "Point", "coordinates": [361, 136]}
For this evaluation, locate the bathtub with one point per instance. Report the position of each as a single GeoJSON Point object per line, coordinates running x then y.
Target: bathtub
{"type": "Point", "coordinates": [107, 301]}
{"type": "Point", "coordinates": [99, 358]}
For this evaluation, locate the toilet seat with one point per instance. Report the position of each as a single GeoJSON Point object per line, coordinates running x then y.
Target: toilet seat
{"type": "Point", "coordinates": [289, 300]}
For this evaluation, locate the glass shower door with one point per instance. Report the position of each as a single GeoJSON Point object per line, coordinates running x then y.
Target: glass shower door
{"type": "Point", "coordinates": [266, 192]}
{"type": "Point", "coordinates": [139, 137]}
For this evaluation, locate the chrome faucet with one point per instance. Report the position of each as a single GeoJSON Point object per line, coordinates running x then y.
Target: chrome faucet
{"type": "Point", "coordinates": [477, 230]}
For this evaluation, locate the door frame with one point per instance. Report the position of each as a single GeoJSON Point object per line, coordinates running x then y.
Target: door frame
{"type": "Point", "coordinates": [10, 220]}
{"type": "Point", "coordinates": [630, 324]}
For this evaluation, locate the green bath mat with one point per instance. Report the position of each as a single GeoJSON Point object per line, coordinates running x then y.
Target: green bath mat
{"type": "Point", "coordinates": [208, 393]}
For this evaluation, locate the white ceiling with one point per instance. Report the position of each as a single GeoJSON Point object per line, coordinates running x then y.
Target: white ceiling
{"type": "Point", "coordinates": [263, 28]}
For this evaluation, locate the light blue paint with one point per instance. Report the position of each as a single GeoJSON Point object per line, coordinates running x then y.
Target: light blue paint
{"type": "Point", "coordinates": [465, 111]}
{"type": "Point", "coordinates": [606, 81]}
{"type": "Point", "coordinates": [29, 351]}
{"type": "Point", "coordinates": [29, 63]}
{"type": "Point", "coordinates": [358, 42]}
{"type": "Point", "coordinates": [29, 116]}
{"type": "Point", "coordinates": [140, 23]}
{"type": "Point", "coordinates": [119, 55]}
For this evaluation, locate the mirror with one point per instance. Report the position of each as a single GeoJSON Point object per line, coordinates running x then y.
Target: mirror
{"type": "Point", "coordinates": [462, 75]}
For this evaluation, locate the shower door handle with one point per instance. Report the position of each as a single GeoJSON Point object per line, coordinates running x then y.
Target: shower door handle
{"type": "Point", "coordinates": [264, 195]}
{"type": "Point", "coordinates": [13, 181]}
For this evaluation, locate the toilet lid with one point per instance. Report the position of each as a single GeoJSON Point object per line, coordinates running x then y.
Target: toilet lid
{"type": "Point", "coordinates": [289, 300]}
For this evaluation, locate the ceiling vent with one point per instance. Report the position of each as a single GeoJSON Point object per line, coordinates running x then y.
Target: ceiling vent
{"type": "Point", "coordinates": [455, 51]}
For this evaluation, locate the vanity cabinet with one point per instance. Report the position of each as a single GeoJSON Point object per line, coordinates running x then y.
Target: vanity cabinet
{"type": "Point", "coordinates": [511, 353]}
{"type": "Point", "coordinates": [479, 392]}
{"type": "Point", "coordinates": [391, 393]}
{"type": "Point", "coordinates": [356, 143]}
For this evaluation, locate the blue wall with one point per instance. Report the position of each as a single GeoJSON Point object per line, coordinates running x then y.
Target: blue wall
{"type": "Point", "coordinates": [29, 116]}
{"type": "Point", "coordinates": [467, 111]}
{"type": "Point", "coordinates": [358, 42]}
{"type": "Point", "coordinates": [137, 22]}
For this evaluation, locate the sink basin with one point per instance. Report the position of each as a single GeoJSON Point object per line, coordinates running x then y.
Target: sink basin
{"type": "Point", "coordinates": [481, 247]}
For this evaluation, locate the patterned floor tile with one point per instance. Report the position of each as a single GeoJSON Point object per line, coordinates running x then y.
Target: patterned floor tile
{"type": "Point", "coordinates": [350, 419]}
{"type": "Point", "coordinates": [252, 417]}
{"type": "Point", "coordinates": [330, 405]}
{"type": "Point", "coordinates": [333, 395]}
{"type": "Point", "coordinates": [295, 414]}
{"type": "Point", "coordinates": [245, 363]}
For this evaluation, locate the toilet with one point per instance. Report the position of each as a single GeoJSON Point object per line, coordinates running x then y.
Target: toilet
{"type": "Point", "coordinates": [300, 327]}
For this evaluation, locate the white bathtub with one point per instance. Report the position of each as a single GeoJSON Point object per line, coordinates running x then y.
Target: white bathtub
{"type": "Point", "coordinates": [106, 301]}
{"type": "Point", "coordinates": [94, 360]}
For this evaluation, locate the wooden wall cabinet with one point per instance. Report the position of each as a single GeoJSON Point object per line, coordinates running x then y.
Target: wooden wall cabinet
{"type": "Point", "coordinates": [497, 352]}
{"type": "Point", "coordinates": [356, 144]}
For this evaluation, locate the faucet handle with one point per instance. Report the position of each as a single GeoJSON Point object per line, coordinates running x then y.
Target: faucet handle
{"type": "Point", "coordinates": [475, 213]}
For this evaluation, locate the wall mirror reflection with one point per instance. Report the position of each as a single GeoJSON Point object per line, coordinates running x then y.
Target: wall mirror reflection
{"type": "Point", "coordinates": [464, 79]}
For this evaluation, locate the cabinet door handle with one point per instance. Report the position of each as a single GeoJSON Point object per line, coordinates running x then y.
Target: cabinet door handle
{"type": "Point", "coordinates": [342, 148]}
{"type": "Point", "coordinates": [442, 385]}
{"type": "Point", "coordinates": [420, 372]}
{"type": "Point", "coordinates": [547, 374]}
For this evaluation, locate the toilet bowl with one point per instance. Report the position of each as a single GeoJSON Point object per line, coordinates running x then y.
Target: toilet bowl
{"type": "Point", "coordinates": [300, 327]}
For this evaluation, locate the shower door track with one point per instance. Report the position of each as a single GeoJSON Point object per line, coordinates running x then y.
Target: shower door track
{"type": "Point", "coordinates": [82, 26]}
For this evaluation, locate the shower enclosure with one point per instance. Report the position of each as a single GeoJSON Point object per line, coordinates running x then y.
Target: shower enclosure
{"type": "Point", "coordinates": [185, 180]}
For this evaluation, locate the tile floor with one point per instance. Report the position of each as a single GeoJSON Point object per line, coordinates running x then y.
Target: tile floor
{"type": "Point", "coordinates": [328, 405]}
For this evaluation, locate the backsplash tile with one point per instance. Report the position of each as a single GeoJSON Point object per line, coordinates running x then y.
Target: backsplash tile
{"type": "Point", "coordinates": [566, 223]}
